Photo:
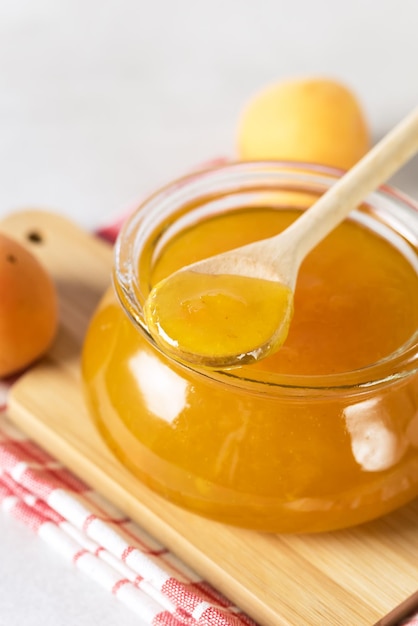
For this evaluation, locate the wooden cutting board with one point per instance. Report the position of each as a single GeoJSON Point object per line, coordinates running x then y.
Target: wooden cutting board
{"type": "Point", "coordinates": [347, 578]}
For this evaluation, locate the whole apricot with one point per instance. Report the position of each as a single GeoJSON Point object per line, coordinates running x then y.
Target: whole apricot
{"type": "Point", "coordinates": [28, 307]}
{"type": "Point", "coordinates": [315, 120]}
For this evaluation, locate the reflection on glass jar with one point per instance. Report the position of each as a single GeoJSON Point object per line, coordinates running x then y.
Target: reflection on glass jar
{"type": "Point", "coordinates": [319, 436]}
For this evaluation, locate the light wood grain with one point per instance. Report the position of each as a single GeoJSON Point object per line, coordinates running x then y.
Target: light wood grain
{"type": "Point", "coordinates": [347, 578]}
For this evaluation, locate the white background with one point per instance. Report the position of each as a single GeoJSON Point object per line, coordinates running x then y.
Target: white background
{"type": "Point", "coordinates": [103, 100]}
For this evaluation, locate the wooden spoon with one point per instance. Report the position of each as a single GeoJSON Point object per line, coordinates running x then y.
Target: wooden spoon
{"type": "Point", "coordinates": [236, 307]}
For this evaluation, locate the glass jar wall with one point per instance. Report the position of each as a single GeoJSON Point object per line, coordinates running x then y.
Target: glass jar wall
{"type": "Point", "coordinates": [305, 441]}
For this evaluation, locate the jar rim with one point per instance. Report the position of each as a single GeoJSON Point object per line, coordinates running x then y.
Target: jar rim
{"type": "Point", "coordinates": [396, 366]}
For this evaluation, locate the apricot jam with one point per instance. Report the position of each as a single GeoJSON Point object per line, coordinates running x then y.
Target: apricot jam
{"type": "Point", "coordinates": [321, 435]}
{"type": "Point", "coordinates": [218, 320]}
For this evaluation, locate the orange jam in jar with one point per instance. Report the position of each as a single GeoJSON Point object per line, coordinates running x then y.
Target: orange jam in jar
{"type": "Point", "coordinates": [321, 435]}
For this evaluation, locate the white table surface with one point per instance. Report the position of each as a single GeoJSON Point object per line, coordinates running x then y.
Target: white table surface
{"type": "Point", "coordinates": [103, 100]}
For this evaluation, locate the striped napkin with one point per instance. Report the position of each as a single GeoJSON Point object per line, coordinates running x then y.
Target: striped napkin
{"type": "Point", "coordinates": [100, 540]}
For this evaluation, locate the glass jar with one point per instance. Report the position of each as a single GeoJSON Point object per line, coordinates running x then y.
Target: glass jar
{"type": "Point", "coordinates": [248, 447]}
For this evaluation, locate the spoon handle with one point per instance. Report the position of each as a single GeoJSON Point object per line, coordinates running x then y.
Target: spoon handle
{"type": "Point", "coordinates": [387, 156]}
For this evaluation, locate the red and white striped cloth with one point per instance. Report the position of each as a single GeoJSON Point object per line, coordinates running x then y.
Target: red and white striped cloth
{"type": "Point", "coordinates": [100, 540]}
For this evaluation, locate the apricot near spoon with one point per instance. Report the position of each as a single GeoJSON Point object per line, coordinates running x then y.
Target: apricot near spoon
{"type": "Point", "coordinates": [236, 307]}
